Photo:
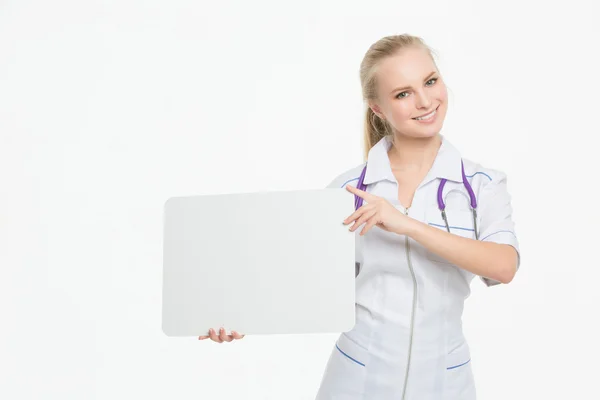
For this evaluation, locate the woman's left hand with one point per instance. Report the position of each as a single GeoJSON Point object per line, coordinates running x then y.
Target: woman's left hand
{"type": "Point", "coordinates": [378, 212]}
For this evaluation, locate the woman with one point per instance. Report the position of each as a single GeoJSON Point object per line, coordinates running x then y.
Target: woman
{"type": "Point", "coordinates": [415, 262]}
{"type": "Point", "coordinates": [421, 242]}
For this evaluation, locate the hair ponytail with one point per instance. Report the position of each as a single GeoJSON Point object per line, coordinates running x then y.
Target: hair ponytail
{"type": "Point", "coordinates": [375, 130]}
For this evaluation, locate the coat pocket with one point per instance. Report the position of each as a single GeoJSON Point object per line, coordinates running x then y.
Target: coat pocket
{"type": "Point", "coordinates": [460, 223]}
{"type": "Point", "coordinates": [346, 370]}
{"type": "Point", "coordinates": [458, 379]}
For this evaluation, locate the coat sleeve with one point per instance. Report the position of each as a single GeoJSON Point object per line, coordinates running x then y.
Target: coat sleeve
{"type": "Point", "coordinates": [496, 222]}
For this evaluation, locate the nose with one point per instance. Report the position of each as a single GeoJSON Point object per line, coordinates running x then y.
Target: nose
{"type": "Point", "coordinates": [423, 100]}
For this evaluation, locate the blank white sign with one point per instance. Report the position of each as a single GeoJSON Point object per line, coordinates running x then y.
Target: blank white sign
{"type": "Point", "coordinates": [259, 263]}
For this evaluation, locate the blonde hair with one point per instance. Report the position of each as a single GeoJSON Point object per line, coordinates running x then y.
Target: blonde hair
{"type": "Point", "coordinates": [374, 127]}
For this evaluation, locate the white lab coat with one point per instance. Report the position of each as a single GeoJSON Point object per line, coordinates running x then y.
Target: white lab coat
{"type": "Point", "coordinates": [377, 357]}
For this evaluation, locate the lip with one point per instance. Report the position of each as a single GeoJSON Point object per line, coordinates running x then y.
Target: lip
{"type": "Point", "coordinates": [430, 120]}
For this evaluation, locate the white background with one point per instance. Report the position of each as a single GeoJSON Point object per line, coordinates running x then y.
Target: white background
{"type": "Point", "coordinates": [108, 108]}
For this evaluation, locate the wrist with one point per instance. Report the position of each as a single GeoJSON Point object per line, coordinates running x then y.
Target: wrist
{"type": "Point", "coordinates": [411, 227]}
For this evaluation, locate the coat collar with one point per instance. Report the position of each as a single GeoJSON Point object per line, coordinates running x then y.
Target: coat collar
{"type": "Point", "coordinates": [447, 163]}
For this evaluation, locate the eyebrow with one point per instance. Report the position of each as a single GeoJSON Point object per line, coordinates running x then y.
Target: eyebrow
{"type": "Point", "coordinates": [408, 87]}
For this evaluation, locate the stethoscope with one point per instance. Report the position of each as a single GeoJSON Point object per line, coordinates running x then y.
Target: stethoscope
{"type": "Point", "coordinates": [358, 201]}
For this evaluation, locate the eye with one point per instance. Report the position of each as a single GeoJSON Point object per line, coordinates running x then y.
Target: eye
{"type": "Point", "coordinates": [398, 95]}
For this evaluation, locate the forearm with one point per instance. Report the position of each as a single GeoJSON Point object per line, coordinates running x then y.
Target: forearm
{"type": "Point", "coordinates": [487, 259]}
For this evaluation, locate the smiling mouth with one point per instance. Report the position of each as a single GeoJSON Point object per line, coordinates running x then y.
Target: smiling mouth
{"type": "Point", "coordinates": [434, 111]}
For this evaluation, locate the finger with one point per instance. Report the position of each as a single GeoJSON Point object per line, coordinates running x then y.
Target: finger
{"type": "Point", "coordinates": [361, 193]}
{"type": "Point", "coordinates": [358, 213]}
{"type": "Point", "coordinates": [369, 225]}
{"type": "Point", "coordinates": [224, 337]}
{"type": "Point", "coordinates": [237, 335]}
{"type": "Point", "coordinates": [202, 337]}
{"type": "Point", "coordinates": [213, 336]}
{"type": "Point", "coordinates": [365, 217]}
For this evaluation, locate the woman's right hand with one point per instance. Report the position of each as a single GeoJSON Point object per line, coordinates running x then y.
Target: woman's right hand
{"type": "Point", "coordinates": [222, 337]}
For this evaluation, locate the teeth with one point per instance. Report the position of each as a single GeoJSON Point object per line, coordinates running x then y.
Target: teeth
{"type": "Point", "coordinates": [428, 116]}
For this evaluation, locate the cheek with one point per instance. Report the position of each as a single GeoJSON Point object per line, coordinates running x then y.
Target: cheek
{"type": "Point", "coordinates": [401, 112]}
{"type": "Point", "coordinates": [442, 94]}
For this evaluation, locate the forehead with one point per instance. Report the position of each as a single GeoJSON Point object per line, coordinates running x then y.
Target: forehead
{"type": "Point", "coordinates": [406, 68]}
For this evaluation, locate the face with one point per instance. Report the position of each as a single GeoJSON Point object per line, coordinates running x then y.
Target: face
{"type": "Point", "coordinates": [410, 86]}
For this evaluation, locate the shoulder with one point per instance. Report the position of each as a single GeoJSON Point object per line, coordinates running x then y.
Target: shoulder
{"type": "Point", "coordinates": [481, 176]}
{"type": "Point", "coordinates": [490, 188]}
{"type": "Point", "coordinates": [349, 176]}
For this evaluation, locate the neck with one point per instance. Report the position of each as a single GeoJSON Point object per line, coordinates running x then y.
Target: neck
{"type": "Point", "coordinates": [414, 154]}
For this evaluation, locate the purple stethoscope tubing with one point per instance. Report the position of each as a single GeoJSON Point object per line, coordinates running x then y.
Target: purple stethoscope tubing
{"type": "Point", "coordinates": [358, 201]}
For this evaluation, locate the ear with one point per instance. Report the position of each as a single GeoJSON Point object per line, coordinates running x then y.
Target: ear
{"type": "Point", "coordinates": [375, 108]}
